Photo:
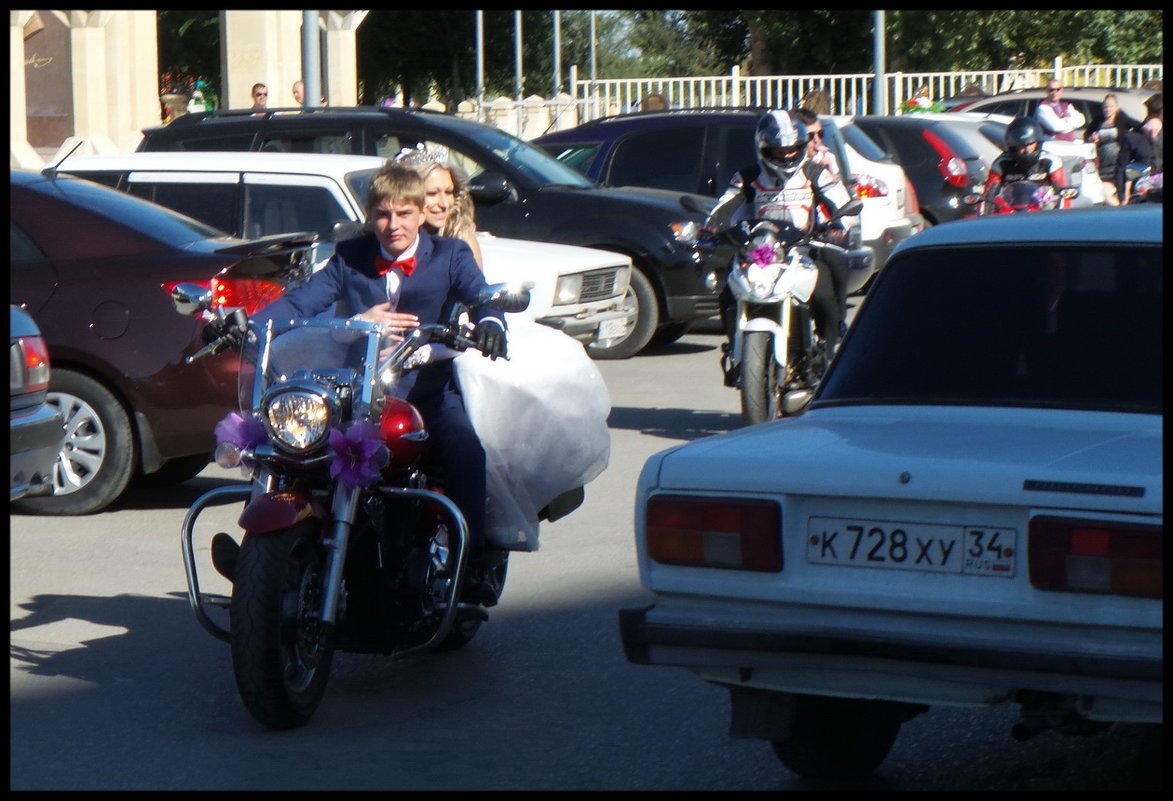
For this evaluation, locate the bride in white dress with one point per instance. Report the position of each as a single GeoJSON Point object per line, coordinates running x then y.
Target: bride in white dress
{"type": "Point", "coordinates": [542, 414]}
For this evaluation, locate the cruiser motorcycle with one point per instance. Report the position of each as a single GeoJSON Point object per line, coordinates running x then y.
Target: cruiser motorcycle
{"type": "Point", "coordinates": [349, 542]}
{"type": "Point", "coordinates": [775, 356]}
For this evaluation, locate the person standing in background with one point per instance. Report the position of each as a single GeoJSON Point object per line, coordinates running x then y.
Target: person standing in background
{"type": "Point", "coordinates": [1106, 130]}
{"type": "Point", "coordinates": [260, 95]}
{"type": "Point", "coordinates": [299, 93]}
{"type": "Point", "coordinates": [1060, 119]}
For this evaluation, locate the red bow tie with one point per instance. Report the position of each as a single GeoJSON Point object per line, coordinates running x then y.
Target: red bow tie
{"type": "Point", "coordinates": [382, 265]}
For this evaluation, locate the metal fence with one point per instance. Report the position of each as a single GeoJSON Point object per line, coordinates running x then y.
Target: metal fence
{"type": "Point", "coordinates": [828, 94]}
{"type": "Point", "coordinates": [844, 93]}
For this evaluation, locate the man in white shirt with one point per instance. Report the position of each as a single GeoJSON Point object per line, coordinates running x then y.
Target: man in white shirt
{"type": "Point", "coordinates": [1060, 119]}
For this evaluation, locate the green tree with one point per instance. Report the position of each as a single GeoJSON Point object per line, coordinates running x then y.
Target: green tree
{"type": "Point", "coordinates": [189, 44]}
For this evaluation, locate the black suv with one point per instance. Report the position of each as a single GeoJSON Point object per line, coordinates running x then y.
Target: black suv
{"type": "Point", "coordinates": [520, 191]}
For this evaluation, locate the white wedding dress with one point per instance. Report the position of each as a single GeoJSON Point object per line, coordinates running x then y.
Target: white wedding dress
{"type": "Point", "coordinates": [542, 418]}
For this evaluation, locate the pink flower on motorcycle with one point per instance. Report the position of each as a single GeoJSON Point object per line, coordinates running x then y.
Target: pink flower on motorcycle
{"type": "Point", "coordinates": [359, 454]}
{"type": "Point", "coordinates": [763, 255]}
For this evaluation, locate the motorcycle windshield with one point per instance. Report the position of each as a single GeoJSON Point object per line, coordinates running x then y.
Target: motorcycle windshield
{"type": "Point", "coordinates": [1027, 196]}
{"type": "Point", "coordinates": [329, 351]}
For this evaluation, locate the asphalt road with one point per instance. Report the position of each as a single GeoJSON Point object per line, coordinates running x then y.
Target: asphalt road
{"type": "Point", "coordinates": [113, 685]}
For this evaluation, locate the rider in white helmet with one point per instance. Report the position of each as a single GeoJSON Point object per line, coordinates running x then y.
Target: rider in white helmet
{"type": "Point", "coordinates": [789, 184]}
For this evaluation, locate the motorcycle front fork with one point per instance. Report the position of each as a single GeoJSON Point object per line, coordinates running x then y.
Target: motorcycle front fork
{"type": "Point", "coordinates": [780, 324]}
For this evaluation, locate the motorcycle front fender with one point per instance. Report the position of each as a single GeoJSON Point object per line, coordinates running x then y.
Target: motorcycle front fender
{"type": "Point", "coordinates": [277, 511]}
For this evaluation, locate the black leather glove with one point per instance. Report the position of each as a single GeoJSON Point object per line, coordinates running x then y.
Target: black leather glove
{"type": "Point", "coordinates": [490, 339]}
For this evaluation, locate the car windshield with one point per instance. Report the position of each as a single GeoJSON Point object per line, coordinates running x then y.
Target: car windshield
{"type": "Point", "coordinates": [359, 182]}
{"type": "Point", "coordinates": [533, 162]}
{"type": "Point", "coordinates": [149, 219]}
{"type": "Point", "coordinates": [1058, 326]}
{"type": "Point", "coordinates": [579, 157]}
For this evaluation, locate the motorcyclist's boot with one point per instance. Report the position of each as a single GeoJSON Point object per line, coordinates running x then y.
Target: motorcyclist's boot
{"type": "Point", "coordinates": [224, 553]}
{"type": "Point", "coordinates": [481, 585]}
{"type": "Point", "coordinates": [732, 371]}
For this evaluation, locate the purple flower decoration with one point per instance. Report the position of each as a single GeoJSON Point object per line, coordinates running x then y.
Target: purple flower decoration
{"type": "Point", "coordinates": [244, 433]}
{"type": "Point", "coordinates": [763, 255]}
{"type": "Point", "coordinates": [359, 454]}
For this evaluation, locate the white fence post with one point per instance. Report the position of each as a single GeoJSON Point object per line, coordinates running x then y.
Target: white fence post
{"type": "Point", "coordinates": [736, 91]}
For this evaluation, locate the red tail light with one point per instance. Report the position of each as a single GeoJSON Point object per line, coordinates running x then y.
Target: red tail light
{"type": "Point", "coordinates": [734, 534]}
{"type": "Point", "coordinates": [869, 186]}
{"type": "Point", "coordinates": [1096, 556]}
{"type": "Point", "coordinates": [251, 293]}
{"type": "Point", "coordinates": [911, 201]}
{"type": "Point", "coordinates": [951, 165]}
{"type": "Point", "coordinates": [36, 365]}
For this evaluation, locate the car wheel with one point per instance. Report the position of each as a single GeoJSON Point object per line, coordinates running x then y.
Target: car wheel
{"type": "Point", "coordinates": [840, 737]}
{"type": "Point", "coordinates": [98, 458]}
{"type": "Point", "coordinates": [641, 298]}
{"type": "Point", "coordinates": [175, 471]}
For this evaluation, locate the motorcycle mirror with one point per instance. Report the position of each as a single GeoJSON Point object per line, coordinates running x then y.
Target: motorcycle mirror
{"type": "Point", "coordinates": [972, 199]}
{"type": "Point", "coordinates": [850, 209]}
{"type": "Point", "coordinates": [505, 297]}
{"type": "Point", "coordinates": [346, 230]}
{"type": "Point", "coordinates": [1068, 192]}
{"type": "Point", "coordinates": [191, 299]}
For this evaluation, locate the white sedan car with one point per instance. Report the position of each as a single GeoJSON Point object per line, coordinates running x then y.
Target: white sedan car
{"type": "Point", "coordinates": [969, 513]}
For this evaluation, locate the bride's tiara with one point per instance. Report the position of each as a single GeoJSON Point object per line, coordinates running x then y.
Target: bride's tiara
{"type": "Point", "coordinates": [426, 154]}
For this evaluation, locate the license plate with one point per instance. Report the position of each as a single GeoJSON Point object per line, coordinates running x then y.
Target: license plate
{"type": "Point", "coordinates": [611, 329]}
{"type": "Point", "coordinates": [929, 547]}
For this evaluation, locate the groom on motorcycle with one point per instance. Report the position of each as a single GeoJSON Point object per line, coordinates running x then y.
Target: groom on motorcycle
{"type": "Point", "coordinates": [790, 182]}
{"type": "Point", "coordinates": [400, 276]}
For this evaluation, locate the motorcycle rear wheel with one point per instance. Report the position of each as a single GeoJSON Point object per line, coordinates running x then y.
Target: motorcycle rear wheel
{"type": "Point", "coordinates": [280, 658]}
{"type": "Point", "coordinates": [759, 379]}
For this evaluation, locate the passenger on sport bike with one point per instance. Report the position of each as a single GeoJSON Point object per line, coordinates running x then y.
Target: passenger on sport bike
{"type": "Point", "coordinates": [788, 183]}
{"type": "Point", "coordinates": [1023, 160]}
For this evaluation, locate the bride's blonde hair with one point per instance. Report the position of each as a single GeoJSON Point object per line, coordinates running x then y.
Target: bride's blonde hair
{"type": "Point", "coordinates": [461, 222]}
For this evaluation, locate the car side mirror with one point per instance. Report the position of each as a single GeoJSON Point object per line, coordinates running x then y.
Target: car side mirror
{"type": "Point", "coordinates": [490, 187]}
{"type": "Point", "coordinates": [850, 209]}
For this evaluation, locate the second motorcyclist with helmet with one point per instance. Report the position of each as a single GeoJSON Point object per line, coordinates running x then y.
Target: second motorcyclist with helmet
{"type": "Point", "coordinates": [1024, 160]}
{"type": "Point", "coordinates": [789, 184]}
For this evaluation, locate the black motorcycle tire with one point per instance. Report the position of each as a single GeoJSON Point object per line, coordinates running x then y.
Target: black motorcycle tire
{"type": "Point", "coordinates": [280, 658]}
{"type": "Point", "coordinates": [759, 378]}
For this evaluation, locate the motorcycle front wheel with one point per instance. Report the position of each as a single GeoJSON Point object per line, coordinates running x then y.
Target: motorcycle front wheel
{"type": "Point", "coordinates": [759, 378]}
{"type": "Point", "coordinates": [279, 654]}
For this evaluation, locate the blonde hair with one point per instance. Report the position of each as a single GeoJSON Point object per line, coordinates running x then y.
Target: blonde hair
{"type": "Point", "coordinates": [424, 160]}
{"type": "Point", "coordinates": [394, 182]}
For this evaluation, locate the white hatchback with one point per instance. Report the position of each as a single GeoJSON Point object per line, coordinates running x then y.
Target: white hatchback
{"type": "Point", "coordinates": [581, 291]}
{"type": "Point", "coordinates": [969, 513]}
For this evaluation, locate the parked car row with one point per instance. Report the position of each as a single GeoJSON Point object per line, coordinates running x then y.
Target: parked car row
{"type": "Point", "coordinates": [519, 191]}
{"type": "Point", "coordinates": [35, 431]}
{"type": "Point", "coordinates": [581, 291]}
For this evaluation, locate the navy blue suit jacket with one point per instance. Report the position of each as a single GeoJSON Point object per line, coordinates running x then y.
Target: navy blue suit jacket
{"type": "Point", "coordinates": [446, 273]}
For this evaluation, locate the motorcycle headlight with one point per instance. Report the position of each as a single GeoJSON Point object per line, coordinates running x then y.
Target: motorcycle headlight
{"type": "Point", "coordinates": [298, 420]}
{"type": "Point", "coordinates": [761, 279]}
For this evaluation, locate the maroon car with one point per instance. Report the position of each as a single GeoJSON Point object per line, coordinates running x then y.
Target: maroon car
{"type": "Point", "coordinates": [94, 267]}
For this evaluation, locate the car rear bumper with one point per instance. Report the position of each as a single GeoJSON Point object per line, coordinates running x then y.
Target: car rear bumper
{"type": "Point", "coordinates": [36, 442]}
{"type": "Point", "coordinates": [1116, 684]}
